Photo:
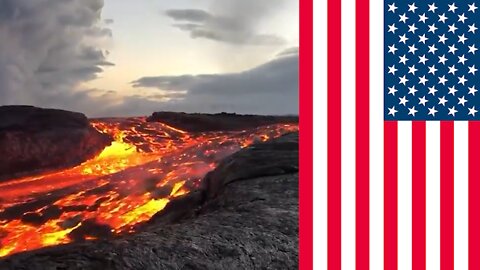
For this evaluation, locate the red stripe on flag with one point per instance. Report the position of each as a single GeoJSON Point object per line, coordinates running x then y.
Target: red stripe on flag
{"type": "Point", "coordinates": [446, 195]}
{"type": "Point", "coordinates": [474, 195]}
{"type": "Point", "coordinates": [418, 195]}
{"type": "Point", "coordinates": [306, 135]}
{"type": "Point", "coordinates": [390, 194]}
{"type": "Point", "coordinates": [334, 134]}
{"type": "Point", "coordinates": [362, 135]}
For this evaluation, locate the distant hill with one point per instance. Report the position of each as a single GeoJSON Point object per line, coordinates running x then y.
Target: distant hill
{"type": "Point", "coordinates": [201, 122]}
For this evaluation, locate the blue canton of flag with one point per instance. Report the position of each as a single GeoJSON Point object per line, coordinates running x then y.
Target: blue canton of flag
{"type": "Point", "coordinates": [431, 61]}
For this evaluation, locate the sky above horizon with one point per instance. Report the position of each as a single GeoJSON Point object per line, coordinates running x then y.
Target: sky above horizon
{"type": "Point", "coordinates": [122, 57]}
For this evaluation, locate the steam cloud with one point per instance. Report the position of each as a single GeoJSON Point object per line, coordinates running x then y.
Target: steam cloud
{"type": "Point", "coordinates": [229, 21]}
{"type": "Point", "coordinates": [49, 48]}
{"type": "Point", "coordinates": [269, 88]}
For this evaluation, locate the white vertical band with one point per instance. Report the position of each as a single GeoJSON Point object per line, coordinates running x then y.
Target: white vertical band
{"type": "Point", "coordinates": [460, 193]}
{"type": "Point", "coordinates": [405, 195]}
{"type": "Point", "coordinates": [433, 195]}
{"type": "Point", "coordinates": [320, 144]}
{"type": "Point", "coordinates": [348, 134]}
{"type": "Point", "coordinates": [376, 135]}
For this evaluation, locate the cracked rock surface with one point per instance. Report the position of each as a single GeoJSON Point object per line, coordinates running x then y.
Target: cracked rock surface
{"type": "Point", "coordinates": [244, 217]}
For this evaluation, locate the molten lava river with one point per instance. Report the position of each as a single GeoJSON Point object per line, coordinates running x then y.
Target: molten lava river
{"type": "Point", "coordinates": [135, 177]}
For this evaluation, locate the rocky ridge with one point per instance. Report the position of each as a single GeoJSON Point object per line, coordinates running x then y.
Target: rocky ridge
{"type": "Point", "coordinates": [34, 139]}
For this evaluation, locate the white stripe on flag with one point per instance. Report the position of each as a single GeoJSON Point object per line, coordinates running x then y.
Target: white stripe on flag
{"type": "Point", "coordinates": [404, 195]}
{"type": "Point", "coordinates": [348, 135]}
{"type": "Point", "coordinates": [433, 195]}
{"type": "Point", "coordinates": [460, 195]}
{"type": "Point", "coordinates": [320, 187]}
{"type": "Point", "coordinates": [376, 135]}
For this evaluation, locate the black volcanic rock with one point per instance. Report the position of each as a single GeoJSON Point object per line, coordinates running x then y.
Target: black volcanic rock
{"type": "Point", "coordinates": [275, 157]}
{"type": "Point", "coordinates": [245, 216]}
{"type": "Point", "coordinates": [33, 139]}
{"type": "Point", "coordinates": [200, 122]}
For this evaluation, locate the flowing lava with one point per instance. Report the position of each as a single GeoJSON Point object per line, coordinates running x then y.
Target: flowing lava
{"type": "Point", "coordinates": [146, 166]}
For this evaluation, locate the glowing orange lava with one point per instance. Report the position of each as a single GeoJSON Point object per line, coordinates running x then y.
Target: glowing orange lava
{"type": "Point", "coordinates": [146, 166]}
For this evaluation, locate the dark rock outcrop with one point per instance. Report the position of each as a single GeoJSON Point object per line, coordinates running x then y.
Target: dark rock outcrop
{"type": "Point", "coordinates": [244, 217]}
{"type": "Point", "coordinates": [200, 122]}
{"type": "Point", "coordinates": [33, 139]}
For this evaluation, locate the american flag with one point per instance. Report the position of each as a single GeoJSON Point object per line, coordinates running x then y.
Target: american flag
{"type": "Point", "coordinates": [403, 135]}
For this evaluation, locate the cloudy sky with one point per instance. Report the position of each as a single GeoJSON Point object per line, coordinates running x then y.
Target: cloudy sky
{"type": "Point", "coordinates": [123, 57]}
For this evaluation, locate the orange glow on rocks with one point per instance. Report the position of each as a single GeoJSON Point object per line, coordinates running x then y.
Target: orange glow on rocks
{"type": "Point", "coordinates": [146, 166]}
